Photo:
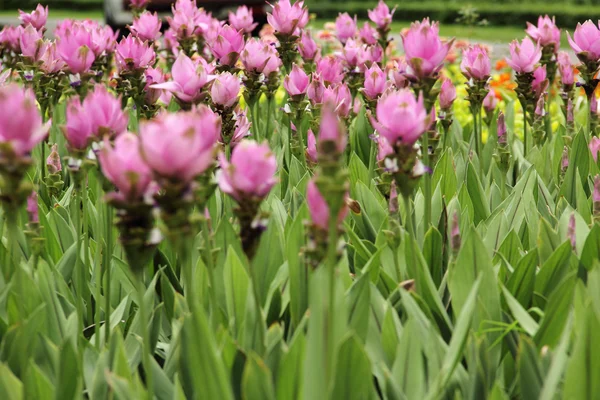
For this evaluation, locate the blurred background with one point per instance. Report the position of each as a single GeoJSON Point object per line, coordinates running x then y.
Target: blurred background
{"type": "Point", "coordinates": [486, 20]}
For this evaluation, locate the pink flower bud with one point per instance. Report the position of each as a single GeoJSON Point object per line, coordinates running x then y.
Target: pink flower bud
{"type": "Point", "coordinates": [37, 18]}
{"type": "Point", "coordinates": [138, 4]}
{"type": "Point", "coordinates": [596, 193]}
{"type": "Point", "coordinates": [340, 96]}
{"type": "Point", "coordinates": [225, 89]}
{"type": "Point", "coordinates": [383, 149]}
{"type": "Point", "coordinates": [242, 20]}
{"type": "Point", "coordinates": [425, 51]}
{"type": "Point", "coordinates": [33, 208]}
{"type": "Point", "coordinates": [146, 26]}
{"type": "Point", "coordinates": [501, 129]}
{"type": "Point", "coordinates": [296, 83]}
{"type": "Point", "coordinates": [75, 48]}
{"type": "Point", "coordinates": [381, 15]}
{"type": "Point", "coordinates": [369, 55]}
{"type": "Point", "coordinates": [316, 90]}
{"type": "Point", "coordinates": [476, 63]}
{"type": "Point", "coordinates": [332, 129]}
{"type": "Point", "coordinates": [288, 19]}
{"type": "Point", "coordinates": [251, 173]}
{"type": "Point", "coordinates": [32, 43]}
{"type": "Point", "coordinates": [20, 121]}
{"type": "Point", "coordinates": [104, 40]}
{"type": "Point", "coordinates": [331, 70]}
{"type": "Point", "coordinates": [242, 127]}
{"type": "Point", "coordinates": [318, 208]}
{"type": "Point", "coordinates": [307, 47]}
{"type": "Point", "coordinates": [565, 67]}
{"type": "Point", "coordinates": [400, 117]}
{"type": "Point", "coordinates": [350, 53]}
{"type": "Point", "coordinates": [490, 102]}
{"type": "Point", "coordinates": [571, 232]}
{"type": "Point", "coordinates": [398, 74]}
{"type": "Point", "coordinates": [375, 82]}
{"type": "Point", "coordinates": [539, 107]}
{"type": "Point", "coordinates": [53, 161]}
{"type": "Point", "coordinates": [524, 56]}
{"type": "Point", "coordinates": [586, 41]}
{"type": "Point", "coordinates": [570, 117]}
{"type": "Point", "coordinates": [50, 61]}
{"type": "Point", "coordinates": [188, 79]}
{"type": "Point", "coordinates": [564, 162]}
{"type": "Point", "coordinates": [78, 128]}
{"type": "Point", "coordinates": [539, 83]}
{"type": "Point", "coordinates": [311, 147]}
{"type": "Point", "coordinates": [9, 37]}
{"type": "Point", "coordinates": [447, 94]}
{"type": "Point", "coordinates": [153, 76]}
{"type": "Point", "coordinates": [227, 46]}
{"type": "Point", "coordinates": [180, 146]}
{"type": "Point", "coordinates": [260, 57]}
{"type": "Point", "coordinates": [595, 147]}
{"type": "Point", "coordinates": [123, 165]}
{"type": "Point", "coordinates": [104, 113]}
{"type": "Point", "coordinates": [132, 54]}
{"type": "Point", "coordinates": [545, 33]}
{"type": "Point", "coordinates": [345, 27]}
{"type": "Point", "coordinates": [455, 238]}
{"type": "Point", "coordinates": [368, 34]}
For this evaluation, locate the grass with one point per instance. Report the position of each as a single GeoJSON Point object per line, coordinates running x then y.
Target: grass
{"type": "Point", "coordinates": [60, 14]}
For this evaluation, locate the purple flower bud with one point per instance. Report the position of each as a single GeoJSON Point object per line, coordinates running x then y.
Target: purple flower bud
{"type": "Point", "coordinates": [455, 233]}
{"type": "Point", "coordinates": [539, 107]}
{"type": "Point", "coordinates": [571, 232]}
{"type": "Point", "coordinates": [564, 163]}
{"type": "Point", "coordinates": [53, 160]}
{"type": "Point", "coordinates": [501, 129]}
{"type": "Point", "coordinates": [32, 208]}
{"type": "Point", "coordinates": [596, 194]}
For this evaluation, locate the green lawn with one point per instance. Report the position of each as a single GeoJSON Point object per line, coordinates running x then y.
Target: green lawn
{"type": "Point", "coordinates": [61, 14]}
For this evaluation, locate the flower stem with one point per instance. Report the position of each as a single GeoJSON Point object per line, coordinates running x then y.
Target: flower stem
{"type": "Point", "coordinates": [525, 141]}
{"type": "Point", "coordinates": [268, 122]}
{"type": "Point", "coordinates": [107, 264]}
{"type": "Point", "coordinates": [331, 263]}
{"type": "Point", "coordinates": [79, 276]}
{"type": "Point", "coordinates": [147, 350]}
{"type": "Point", "coordinates": [408, 221]}
{"type": "Point", "coordinates": [425, 152]}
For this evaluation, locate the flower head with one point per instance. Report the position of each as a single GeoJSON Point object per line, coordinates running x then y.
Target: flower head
{"type": "Point", "coordinates": [375, 82]}
{"type": "Point", "coordinates": [288, 19]}
{"type": "Point", "coordinates": [318, 208]}
{"type": "Point", "coordinates": [345, 26]}
{"type": "Point", "coordinates": [146, 26]}
{"type": "Point", "coordinates": [260, 57]}
{"type": "Point", "coordinates": [225, 90]}
{"type": "Point", "coordinates": [447, 94]}
{"type": "Point", "coordinates": [565, 67]}
{"type": "Point", "coordinates": [586, 41]}
{"type": "Point", "coordinates": [37, 18]}
{"type": "Point", "coordinates": [490, 102]}
{"type": "Point", "coordinates": [546, 33]}
{"type": "Point", "coordinates": [189, 78]}
{"type": "Point", "coordinates": [227, 45]}
{"type": "Point", "coordinates": [524, 56]}
{"type": "Point", "coordinates": [242, 20]}
{"type": "Point", "coordinates": [381, 15]}
{"type": "Point", "coordinates": [75, 48]}
{"type": "Point", "coordinates": [476, 63]}
{"type": "Point", "coordinates": [400, 117]}
{"type": "Point", "coordinates": [425, 51]}
{"type": "Point", "coordinates": [307, 47]}
{"type": "Point", "coordinates": [296, 83]}
{"type": "Point", "coordinates": [134, 54]}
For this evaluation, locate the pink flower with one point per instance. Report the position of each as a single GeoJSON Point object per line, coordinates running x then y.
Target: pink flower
{"type": "Point", "coordinates": [288, 19]}
{"type": "Point", "coordinates": [350, 53]}
{"type": "Point", "coordinates": [242, 20]}
{"type": "Point", "coordinates": [596, 193]}
{"type": "Point", "coordinates": [138, 4]}
{"type": "Point", "coordinates": [524, 56]}
{"type": "Point", "coordinates": [146, 26]}
{"type": "Point", "coordinates": [32, 43]}
{"type": "Point", "coordinates": [32, 208]}
{"type": "Point", "coordinates": [104, 113]}
{"type": "Point", "coordinates": [10, 36]}
{"type": "Point", "coordinates": [318, 208]}
{"type": "Point", "coordinates": [260, 57]}
{"type": "Point", "coordinates": [133, 54]}
{"type": "Point", "coordinates": [425, 51]}
{"type": "Point", "coordinates": [307, 47]}
{"type": "Point", "coordinates": [369, 55]}
{"type": "Point", "coordinates": [37, 18]}
{"type": "Point", "coordinates": [368, 34]}
{"type": "Point", "coordinates": [104, 40]}
{"type": "Point", "coordinates": [78, 128]}
{"type": "Point", "coordinates": [447, 94]}
{"type": "Point", "coordinates": [566, 68]}
{"type": "Point", "coordinates": [595, 147]}
{"type": "Point", "coordinates": [225, 90]}
{"type": "Point", "coordinates": [476, 63]}
{"type": "Point", "coordinates": [53, 161]}
{"type": "Point", "coordinates": [75, 48]}
{"type": "Point", "coordinates": [345, 26]}
{"type": "Point", "coordinates": [545, 33]}
{"type": "Point", "coordinates": [180, 146]}
{"type": "Point", "coordinates": [332, 129]}
{"type": "Point", "coordinates": [311, 147]}
{"type": "Point", "coordinates": [50, 61]}
{"type": "Point", "coordinates": [383, 149]}
{"type": "Point", "coordinates": [331, 70]}
{"type": "Point", "coordinates": [400, 117]}
{"type": "Point", "coordinates": [340, 96]}
{"type": "Point", "coordinates": [21, 125]}
{"type": "Point", "coordinates": [62, 27]}
{"type": "Point", "coordinates": [227, 45]}
{"type": "Point", "coordinates": [188, 79]}
{"type": "Point", "coordinates": [540, 83]}
{"type": "Point", "coordinates": [153, 76]}
{"type": "Point", "coordinates": [375, 82]}
{"type": "Point", "coordinates": [586, 40]}
{"type": "Point", "coordinates": [490, 101]}
{"type": "Point", "coordinates": [251, 173]}
{"type": "Point", "coordinates": [398, 74]}
{"type": "Point", "coordinates": [501, 129]}
{"type": "Point", "coordinates": [381, 15]}
{"type": "Point", "coordinates": [242, 127]}
{"type": "Point", "coordinates": [123, 165]}
{"type": "Point", "coordinates": [316, 90]}
{"type": "Point", "coordinates": [296, 83]}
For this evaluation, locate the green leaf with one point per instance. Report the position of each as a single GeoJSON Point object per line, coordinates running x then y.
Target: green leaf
{"type": "Point", "coordinates": [352, 372]}
{"type": "Point", "coordinates": [520, 314]}
{"type": "Point", "coordinates": [11, 387]}
{"type": "Point", "coordinates": [69, 383]}
{"type": "Point", "coordinates": [236, 289]}
{"type": "Point", "coordinates": [478, 198]}
{"type": "Point", "coordinates": [257, 383]}
{"type": "Point", "coordinates": [530, 369]}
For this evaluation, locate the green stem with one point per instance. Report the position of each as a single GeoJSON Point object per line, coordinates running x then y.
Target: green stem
{"type": "Point", "coordinates": [255, 120]}
{"type": "Point", "coordinates": [208, 259]}
{"type": "Point", "coordinates": [187, 271]}
{"type": "Point", "coordinates": [79, 277]}
{"type": "Point", "coordinates": [107, 265]}
{"type": "Point", "coordinates": [331, 264]}
{"type": "Point", "coordinates": [15, 258]}
{"type": "Point", "coordinates": [43, 161]}
{"type": "Point", "coordinates": [525, 139]}
{"type": "Point", "coordinates": [86, 236]}
{"type": "Point", "coordinates": [268, 123]}
{"type": "Point", "coordinates": [147, 351]}
{"type": "Point", "coordinates": [425, 152]}
{"type": "Point", "coordinates": [408, 221]}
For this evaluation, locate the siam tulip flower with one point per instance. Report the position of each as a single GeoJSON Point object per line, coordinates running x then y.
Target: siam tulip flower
{"type": "Point", "coordinates": [242, 20]}
{"type": "Point", "coordinates": [133, 55]}
{"type": "Point", "coordinates": [345, 26]}
{"type": "Point", "coordinates": [227, 45]}
{"type": "Point", "coordinates": [10, 38]}
{"type": "Point", "coordinates": [539, 108]}
{"type": "Point", "coordinates": [33, 208]}
{"type": "Point", "coordinates": [307, 47]}
{"type": "Point", "coordinates": [375, 82]}
{"type": "Point", "coordinates": [259, 57]}
{"type": "Point", "coordinates": [400, 117]}
{"type": "Point", "coordinates": [225, 90]}
{"type": "Point", "coordinates": [384, 149]}
{"type": "Point", "coordinates": [425, 51]}
{"type": "Point", "coordinates": [318, 208]}
{"type": "Point", "coordinates": [104, 40]}
{"type": "Point", "coordinates": [146, 26]}
{"type": "Point", "coordinates": [564, 161]}
{"type": "Point", "coordinates": [381, 15]}
{"type": "Point", "coordinates": [490, 102]}
{"type": "Point", "coordinates": [367, 34]}
{"type": "Point", "coordinates": [501, 129]}
{"type": "Point", "coordinates": [21, 127]}
{"type": "Point", "coordinates": [242, 127]}
{"type": "Point", "coordinates": [62, 27]}
{"type": "Point", "coordinates": [123, 165]}
{"type": "Point", "coordinates": [595, 147]}
{"type": "Point", "coordinates": [32, 44]}
{"type": "Point", "coordinates": [311, 147]}
{"type": "Point", "coordinates": [447, 94]}
{"type": "Point", "coordinates": [455, 238]}
{"type": "Point", "coordinates": [78, 128]}
{"type": "Point", "coordinates": [53, 161]}
{"type": "Point", "coordinates": [341, 96]}
{"type": "Point", "coordinates": [524, 56]}
{"type": "Point", "coordinates": [596, 198]}
{"type": "Point", "coordinates": [104, 112]}
{"type": "Point", "coordinates": [138, 4]}
{"type": "Point", "coordinates": [316, 90]}
{"type": "Point", "coordinates": [296, 83]}
{"type": "Point", "coordinates": [51, 62]}
{"type": "Point", "coordinates": [566, 69]}
{"type": "Point", "coordinates": [37, 18]}
{"type": "Point", "coordinates": [476, 63]}
{"type": "Point", "coordinates": [546, 33]}
{"type": "Point", "coordinates": [251, 172]}
{"type": "Point", "coordinates": [586, 41]}
{"type": "Point", "coordinates": [540, 82]}
{"type": "Point", "coordinates": [350, 54]}
{"type": "Point", "coordinates": [331, 129]}
{"type": "Point", "coordinates": [369, 55]}
{"type": "Point", "coordinates": [75, 49]}
{"type": "Point", "coordinates": [182, 24]}
{"type": "Point", "coordinates": [398, 74]}
{"type": "Point", "coordinates": [153, 76]}
{"type": "Point", "coordinates": [331, 70]}
{"type": "Point", "coordinates": [189, 79]}
{"type": "Point", "coordinates": [288, 19]}
{"type": "Point", "coordinates": [180, 146]}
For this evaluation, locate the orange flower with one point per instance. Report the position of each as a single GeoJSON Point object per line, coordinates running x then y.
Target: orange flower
{"type": "Point", "coordinates": [501, 64]}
